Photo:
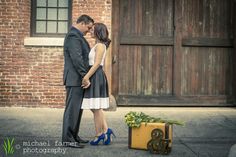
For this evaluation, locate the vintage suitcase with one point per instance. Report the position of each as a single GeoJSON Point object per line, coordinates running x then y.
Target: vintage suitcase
{"type": "Point", "coordinates": [155, 137]}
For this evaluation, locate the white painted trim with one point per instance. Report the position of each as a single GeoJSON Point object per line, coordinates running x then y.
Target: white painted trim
{"type": "Point", "coordinates": [38, 41]}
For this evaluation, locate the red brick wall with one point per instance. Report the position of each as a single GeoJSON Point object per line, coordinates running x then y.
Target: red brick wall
{"type": "Point", "coordinates": [32, 75]}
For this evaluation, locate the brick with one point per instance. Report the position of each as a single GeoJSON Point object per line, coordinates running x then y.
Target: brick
{"type": "Point", "coordinates": [32, 76]}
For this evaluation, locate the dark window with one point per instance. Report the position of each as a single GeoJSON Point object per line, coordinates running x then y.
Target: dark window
{"type": "Point", "coordinates": [50, 17]}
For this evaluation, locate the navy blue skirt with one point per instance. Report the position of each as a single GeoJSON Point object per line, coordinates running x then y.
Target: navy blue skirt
{"type": "Point", "coordinates": [97, 95]}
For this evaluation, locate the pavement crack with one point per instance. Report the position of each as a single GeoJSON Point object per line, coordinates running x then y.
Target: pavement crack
{"type": "Point", "coordinates": [224, 125]}
{"type": "Point", "coordinates": [227, 119]}
{"type": "Point", "coordinates": [188, 147]}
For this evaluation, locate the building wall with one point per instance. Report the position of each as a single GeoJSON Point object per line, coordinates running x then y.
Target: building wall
{"type": "Point", "coordinates": [31, 75]}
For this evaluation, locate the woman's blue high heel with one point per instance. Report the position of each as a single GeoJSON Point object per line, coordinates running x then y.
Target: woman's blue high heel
{"type": "Point", "coordinates": [98, 139]}
{"type": "Point", "coordinates": [108, 136]}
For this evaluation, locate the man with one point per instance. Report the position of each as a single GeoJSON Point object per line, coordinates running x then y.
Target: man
{"type": "Point", "coordinates": [76, 64]}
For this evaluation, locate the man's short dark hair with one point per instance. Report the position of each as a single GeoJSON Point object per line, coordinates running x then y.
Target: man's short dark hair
{"type": "Point", "coordinates": [85, 18]}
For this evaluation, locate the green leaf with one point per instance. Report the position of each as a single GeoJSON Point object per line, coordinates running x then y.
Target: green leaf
{"type": "Point", "coordinates": [5, 147]}
{"type": "Point", "coordinates": [8, 145]}
{"type": "Point", "coordinates": [134, 119]}
{"type": "Point", "coordinates": [12, 150]}
{"type": "Point", "coordinates": [12, 141]}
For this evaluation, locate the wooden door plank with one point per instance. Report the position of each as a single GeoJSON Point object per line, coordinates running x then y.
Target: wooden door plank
{"type": "Point", "coordinates": [146, 40]}
{"type": "Point", "coordinates": [207, 42]}
{"type": "Point", "coordinates": [115, 46]}
{"type": "Point", "coordinates": [234, 53]}
{"type": "Point", "coordinates": [178, 22]}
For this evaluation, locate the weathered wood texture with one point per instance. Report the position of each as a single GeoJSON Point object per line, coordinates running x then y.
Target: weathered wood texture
{"type": "Point", "coordinates": [207, 42]}
{"type": "Point", "coordinates": [145, 70]}
{"type": "Point", "coordinates": [146, 50]}
{"type": "Point", "coordinates": [174, 48]}
{"type": "Point", "coordinates": [234, 57]}
{"type": "Point", "coordinates": [115, 46]}
{"type": "Point", "coordinates": [207, 70]}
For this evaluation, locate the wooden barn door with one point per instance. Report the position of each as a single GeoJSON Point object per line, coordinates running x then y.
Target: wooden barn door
{"type": "Point", "coordinates": [205, 30]}
{"type": "Point", "coordinates": [143, 54]}
{"type": "Point", "coordinates": [173, 52]}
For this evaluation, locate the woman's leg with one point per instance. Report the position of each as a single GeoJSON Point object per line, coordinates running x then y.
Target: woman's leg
{"type": "Point", "coordinates": [104, 122]}
{"type": "Point", "coordinates": [98, 121]}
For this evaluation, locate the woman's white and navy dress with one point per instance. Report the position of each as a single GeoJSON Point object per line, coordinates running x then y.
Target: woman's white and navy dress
{"type": "Point", "coordinates": [97, 95]}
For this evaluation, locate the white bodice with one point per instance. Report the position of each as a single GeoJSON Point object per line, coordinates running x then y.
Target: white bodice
{"type": "Point", "coordinates": [92, 55]}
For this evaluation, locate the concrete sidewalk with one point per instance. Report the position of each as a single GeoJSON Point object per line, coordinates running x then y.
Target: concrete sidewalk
{"type": "Point", "coordinates": [209, 132]}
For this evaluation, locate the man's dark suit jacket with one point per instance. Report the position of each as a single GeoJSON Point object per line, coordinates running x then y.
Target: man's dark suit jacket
{"type": "Point", "coordinates": [76, 64]}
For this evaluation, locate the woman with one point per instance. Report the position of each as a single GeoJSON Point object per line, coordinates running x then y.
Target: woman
{"type": "Point", "coordinates": [96, 96]}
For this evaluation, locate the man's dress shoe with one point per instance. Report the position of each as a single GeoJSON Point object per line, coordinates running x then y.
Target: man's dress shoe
{"type": "Point", "coordinates": [72, 143]}
{"type": "Point", "coordinates": [79, 140]}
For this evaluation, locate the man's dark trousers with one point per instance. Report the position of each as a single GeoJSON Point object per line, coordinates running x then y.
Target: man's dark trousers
{"type": "Point", "coordinates": [73, 113]}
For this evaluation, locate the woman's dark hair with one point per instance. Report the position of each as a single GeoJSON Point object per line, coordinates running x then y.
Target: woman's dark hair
{"type": "Point", "coordinates": [85, 18]}
{"type": "Point", "coordinates": [101, 33]}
